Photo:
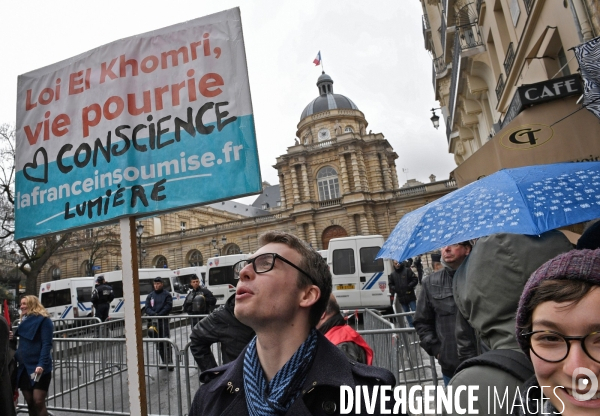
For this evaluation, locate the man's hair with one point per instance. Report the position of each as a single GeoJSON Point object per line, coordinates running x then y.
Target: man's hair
{"type": "Point", "coordinates": [333, 308]}
{"type": "Point", "coordinates": [312, 263]}
{"type": "Point", "coordinates": [194, 277]}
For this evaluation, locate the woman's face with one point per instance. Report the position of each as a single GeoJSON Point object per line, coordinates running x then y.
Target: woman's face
{"type": "Point", "coordinates": [578, 320]}
{"type": "Point", "coordinates": [24, 306]}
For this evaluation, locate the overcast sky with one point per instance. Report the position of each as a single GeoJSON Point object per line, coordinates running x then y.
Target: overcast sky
{"type": "Point", "coordinates": [373, 50]}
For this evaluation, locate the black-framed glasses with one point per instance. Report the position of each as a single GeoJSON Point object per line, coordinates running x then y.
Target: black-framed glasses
{"type": "Point", "coordinates": [554, 347]}
{"type": "Point", "coordinates": [264, 263]}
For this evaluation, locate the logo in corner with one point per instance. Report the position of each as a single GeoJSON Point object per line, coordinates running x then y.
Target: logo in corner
{"type": "Point", "coordinates": [582, 383]}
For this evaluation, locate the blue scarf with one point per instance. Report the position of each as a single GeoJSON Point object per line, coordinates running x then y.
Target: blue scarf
{"type": "Point", "coordinates": [275, 398]}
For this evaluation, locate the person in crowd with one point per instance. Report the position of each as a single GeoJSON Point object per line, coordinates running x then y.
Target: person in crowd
{"type": "Point", "coordinates": [485, 325]}
{"type": "Point", "coordinates": [7, 406]}
{"type": "Point", "coordinates": [102, 296]}
{"type": "Point", "coordinates": [419, 266]}
{"type": "Point", "coordinates": [558, 328]}
{"type": "Point", "coordinates": [198, 301]}
{"type": "Point", "coordinates": [402, 283]}
{"type": "Point", "coordinates": [336, 329]}
{"type": "Point", "coordinates": [289, 368]}
{"type": "Point", "coordinates": [220, 326]}
{"type": "Point", "coordinates": [159, 302]}
{"type": "Point", "coordinates": [34, 371]}
{"type": "Point", "coordinates": [435, 319]}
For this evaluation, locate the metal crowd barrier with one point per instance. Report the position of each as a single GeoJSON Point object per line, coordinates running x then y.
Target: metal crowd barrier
{"type": "Point", "coordinates": [398, 349]}
{"type": "Point", "coordinates": [90, 368]}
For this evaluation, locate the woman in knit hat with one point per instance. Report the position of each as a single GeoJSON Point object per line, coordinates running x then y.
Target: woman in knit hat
{"type": "Point", "coordinates": [558, 327]}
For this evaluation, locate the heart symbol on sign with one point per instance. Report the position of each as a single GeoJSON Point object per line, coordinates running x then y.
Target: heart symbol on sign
{"type": "Point", "coordinates": [33, 165]}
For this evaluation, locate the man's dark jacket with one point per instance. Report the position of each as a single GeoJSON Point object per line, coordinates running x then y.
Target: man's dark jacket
{"type": "Point", "coordinates": [402, 282]}
{"type": "Point", "coordinates": [220, 326]}
{"type": "Point", "coordinates": [163, 303]}
{"type": "Point", "coordinates": [223, 392]}
{"type": "Point", "coordinates": [435, 320]}
{"type": "Point", "coordinates": [188, 303]}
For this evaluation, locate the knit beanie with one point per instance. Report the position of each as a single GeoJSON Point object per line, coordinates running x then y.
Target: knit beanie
{"type": "Point", "coordinates": [581, 265]}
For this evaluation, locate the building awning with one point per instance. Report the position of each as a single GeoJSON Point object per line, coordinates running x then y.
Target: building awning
{"type": "Point", "coordinates": [536, 136]}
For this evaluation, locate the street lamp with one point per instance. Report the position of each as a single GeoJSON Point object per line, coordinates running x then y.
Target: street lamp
{"type": "Point", "coordinates": [139, 230]}
{"type": "Point", "coordinates": [216, 245]}
{"type": "Point", "coordinates": [435, 120]}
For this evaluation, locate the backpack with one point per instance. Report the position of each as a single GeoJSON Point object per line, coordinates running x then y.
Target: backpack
{"type": "Point", "coordinates": [510, 361]}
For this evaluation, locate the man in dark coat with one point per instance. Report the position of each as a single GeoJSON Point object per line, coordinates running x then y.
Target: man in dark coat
{"type": "Point", "coordinates": [102, 296]}
{"type": "Point", "coordinates": [289, 368]}
{"type": "Point", "coordinates": [435, 319]}
{"type": "Point", "coordinates": [419, 266]}
{"type": "Point", "coordinates": [159, 302]}
{"type": "Point", "coordinates": [220, 326]}
{"type": "Point", "coordinates": [402, 283]}
{"type": "Point", "coordinates": [199, 301]}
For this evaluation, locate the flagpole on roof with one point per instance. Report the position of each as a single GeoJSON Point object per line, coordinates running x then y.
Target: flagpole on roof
{"type": "Point", "coordinates": [322, 67]}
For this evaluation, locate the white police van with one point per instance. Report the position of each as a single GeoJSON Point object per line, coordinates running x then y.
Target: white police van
{"type": "Point", "coordinates": [146, 283]}
{"type": "Point", "coordinates": [185, 275]}
{"type": "Point", "coordinates": [68, 298]}
{"type": "Point", "coordinates": [359, 281]}
{"type": "Point", "coordinates": [220, 280]}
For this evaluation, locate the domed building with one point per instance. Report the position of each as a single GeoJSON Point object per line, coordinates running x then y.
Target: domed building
{"type": "Point", "coordinates": [335, 180]}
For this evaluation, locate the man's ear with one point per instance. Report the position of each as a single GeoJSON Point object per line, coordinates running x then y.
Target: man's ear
{"type": "Point", "coordinates": [310, 296]}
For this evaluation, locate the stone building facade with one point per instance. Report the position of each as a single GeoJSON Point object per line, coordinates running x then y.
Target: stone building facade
{"type": "Point", "coordinates": [335, 180]}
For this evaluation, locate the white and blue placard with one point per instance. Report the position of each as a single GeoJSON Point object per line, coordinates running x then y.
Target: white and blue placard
{"type": "Point", "coordinates": [151, 123]}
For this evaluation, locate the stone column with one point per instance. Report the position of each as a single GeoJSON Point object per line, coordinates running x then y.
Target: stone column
{"type": "Point", "coordinates": [364, 184]}
{"type": "Point", "coordinates": [364, 225]}
{"type": "Point", "coordinates": [355, 172]}
{"type": "Point", "coordinates": [395, 176]}
{"type": "Point", "coordinates": [343, 175]}
{"type": "Point", "coordinates": [295, 185]}
{"type": "Point", "coordinates": [312, 235]}
{"type": "Point", "coordinates": [385, 170]}
{"type": "Point", "coordinates": [351, 225]}
{"type": "Point", "coordinates": [300, 232]}
{"type": "Point", "coordinates": [282, 190]}
{"type": "Point", "coordinates": [306, 189]}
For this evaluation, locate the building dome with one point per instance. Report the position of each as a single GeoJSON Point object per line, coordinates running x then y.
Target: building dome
{"type": "Point", "coordinates": [327, 100]}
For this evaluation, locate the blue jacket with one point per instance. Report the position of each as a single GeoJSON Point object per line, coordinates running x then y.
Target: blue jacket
{"type": "Point", "coordinates": [35, 344]}
{"type": "Point", "coordinates": [162, 305]}
{"type": "Point", "coordinates": [223, 390]}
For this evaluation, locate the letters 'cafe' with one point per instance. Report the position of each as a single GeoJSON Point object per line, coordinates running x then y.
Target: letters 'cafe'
{"type": "Point", "coordinates": [508, 82]}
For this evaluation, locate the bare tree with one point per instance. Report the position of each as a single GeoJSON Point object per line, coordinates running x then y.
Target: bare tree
{"type": "Point", "coordinates": [34, 253]}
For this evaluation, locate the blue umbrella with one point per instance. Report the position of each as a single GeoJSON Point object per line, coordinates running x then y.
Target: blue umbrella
{"type": "Point", "coordinates": [528, 200]}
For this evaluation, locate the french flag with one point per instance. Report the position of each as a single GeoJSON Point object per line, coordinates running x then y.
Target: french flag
{"type": "Point", "coordinates": [317, 60]}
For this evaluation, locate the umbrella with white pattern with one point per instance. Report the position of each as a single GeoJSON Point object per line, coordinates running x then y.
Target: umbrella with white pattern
{"type": "Point", "coordinates": [528, 200]}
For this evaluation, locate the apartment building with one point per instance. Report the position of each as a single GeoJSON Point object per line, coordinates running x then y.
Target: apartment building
{"type": "Point", "coordinates": [507, 81]}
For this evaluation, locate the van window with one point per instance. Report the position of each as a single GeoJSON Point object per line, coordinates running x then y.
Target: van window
{"type": "Point", "coordinates": [84, 294]}
{"type": "Point", "coordinates": [117, 288]}
{"type": "Point", "coordinates": [221, 276]}
{"type": "Point", "coordinates": [368, 264]}
{"type": "Point", "coordinates": [56, 298]}
{"type": "Point", "coordinates": [185, 280]}
{"type": "Point", "coordinates": [343, 261]}
{"type": "Point", "coordinates": [178, 287]}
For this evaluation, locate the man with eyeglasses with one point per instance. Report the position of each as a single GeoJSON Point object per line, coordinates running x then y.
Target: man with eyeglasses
{"type": "Point", "coordinates": [289, 368]}
{"type": "Point", "coordinates": [435, 318]}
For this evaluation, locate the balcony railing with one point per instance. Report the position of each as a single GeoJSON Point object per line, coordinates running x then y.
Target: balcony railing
{"type": "Point", "coordinates": [478, 7]}
{"type": "Point", "coordinates": [425, 188]}
{"type": "Point", "coordinates": [500, 87]}
{"type": "Point", "coordinates": [443, 32]}
{"type": "Point", "coordinates": [438, 66]}
{"type": "Point", "coordinates": [470, 36]}
{"type": "Point", "coordinates": [330, 203]}
{"type": "Point", "coordinates": [510, 59]}
{"type": "Point", "coordinates": [320, 145]}
{"type": "Point", "coordinates": [528, 5]}
{"type": "Point", "coordinates": [426, 25]}
{"type": "Point", "coordinates": [453, 85]}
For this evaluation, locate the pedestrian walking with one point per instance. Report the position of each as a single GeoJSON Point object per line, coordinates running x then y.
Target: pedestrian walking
{"type": "Point", "coordinates": [34, 371]}
{"type": "Point", "coordinates": [402, 283]}
{"type": "Point", "coordinates": [159, 302]}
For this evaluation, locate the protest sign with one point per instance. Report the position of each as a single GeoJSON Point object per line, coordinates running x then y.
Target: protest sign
{"type": "Point", "coordinates": [147, 124]}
